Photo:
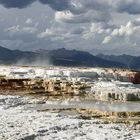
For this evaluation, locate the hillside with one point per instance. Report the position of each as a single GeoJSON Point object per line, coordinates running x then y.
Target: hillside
{"type": "Point", "coordinates": [64, 57]}
{"type": "Point", "coordinates": [130, 62]}
{"type": "Point", "coordinates": [8, 56]}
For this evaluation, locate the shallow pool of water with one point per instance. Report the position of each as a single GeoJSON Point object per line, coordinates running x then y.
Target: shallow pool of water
{"type": "Point", "coordinates": [87, 104]}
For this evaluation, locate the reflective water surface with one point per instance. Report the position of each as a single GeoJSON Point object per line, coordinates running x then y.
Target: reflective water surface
{"type": "Point", "coordinates": [87, 104]}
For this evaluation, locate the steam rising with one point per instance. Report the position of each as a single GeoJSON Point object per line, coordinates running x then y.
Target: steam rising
{"type": "Point", "coordinates": [34, 62]}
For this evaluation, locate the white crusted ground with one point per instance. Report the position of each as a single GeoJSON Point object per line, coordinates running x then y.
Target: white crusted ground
{"type": "Point", "coordinates": [122, 91]}
{"type": "Point", "coordinates": [49, 72]}
{"type": "Point", "coordinates": [16, 123]}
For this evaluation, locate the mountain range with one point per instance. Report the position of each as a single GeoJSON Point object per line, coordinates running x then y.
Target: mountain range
{"type": "Point", "coordinates": [64, 57]}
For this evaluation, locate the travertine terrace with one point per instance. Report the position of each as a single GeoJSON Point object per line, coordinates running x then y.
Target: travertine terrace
{"type": "Point", "coordinates": [100, 84]}
{"type": "Point", "coordinates": [41, 102]}
{"type": "Point", "coordinates": [61, 83]}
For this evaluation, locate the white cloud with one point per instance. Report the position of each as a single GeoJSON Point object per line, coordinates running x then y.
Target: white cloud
{"type": "Point", "coordinates": [128, 33]}
{"type": "Point", "coordinates": [126, 30]}
{"type": "Point", "coordinates": [57, 34]}
{"type": "Point", "coordinates": [63, 16]}
{"type": "Point", "coordinates": [45, 34]}
{"type": "Point", "coordinates": [87, 17]}
{"type": "Point", "coordinates": [13, 29]}
{"type": "Point", "coordinates": [29, 29]}
{"type": "Point", "coordinates": [107, 39]}
{"type": "Point", "coordinates": [17, 29]}
{"type": "Point", "coordinates": [97, 29]}
{"type": "Point", "coordinates": [29, 21]}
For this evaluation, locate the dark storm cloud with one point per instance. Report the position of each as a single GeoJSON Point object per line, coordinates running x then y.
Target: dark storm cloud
{"type": "Point", "coordinates": [16, 3]}
{"type": "Point", "coordinates": [129, 6]}
{"type": "Point", "coordinates": [58, 5]}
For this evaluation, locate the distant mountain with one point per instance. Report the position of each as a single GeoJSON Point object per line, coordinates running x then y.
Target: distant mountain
{"type": "Point", "coordinates": [120, 58]}
{"type": "Point", "coordinates": [79, 58]}
{"type": "Point", "coordinates": [130, 62]}
{"type": "Point", "coordinates": [63, 57]}
{"type": "Point", "coordinates": [135, 63]}
{"type": "Point", "coordinates": [8, 56]}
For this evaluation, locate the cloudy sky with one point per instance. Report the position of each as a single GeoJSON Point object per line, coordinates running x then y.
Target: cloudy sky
{"type": "Point", "coordinates": [97, 26]}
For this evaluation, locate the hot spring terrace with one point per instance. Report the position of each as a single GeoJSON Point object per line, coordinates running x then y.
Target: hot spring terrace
{"type": "Point", "coordinates": [96, 91]}
{"type": "Point", "coordinates": [99, 84]}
